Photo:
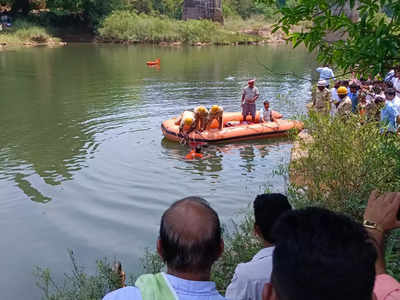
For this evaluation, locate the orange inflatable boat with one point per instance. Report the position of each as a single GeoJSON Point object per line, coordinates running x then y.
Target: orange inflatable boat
{"type": "Point", "coordinates": [233, 129]}
{"type": "Point", "coordinates": [153, 62]}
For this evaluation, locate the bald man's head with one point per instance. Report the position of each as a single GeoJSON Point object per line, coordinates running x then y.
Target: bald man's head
{"type": "Point", "coordinates": [190, 235]}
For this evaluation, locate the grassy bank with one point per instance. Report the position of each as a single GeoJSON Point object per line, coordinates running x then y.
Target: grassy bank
{"type": "Point", "coordinates": [345, 161]}
{"type": "Point", "coordinates": [124, 26]}
{"type": "Point", "coordinates": [129, 27]}
{"type": "Point", "coordinates": [340, 166]}
{"type": "Point", "coordinates": [24, 33]}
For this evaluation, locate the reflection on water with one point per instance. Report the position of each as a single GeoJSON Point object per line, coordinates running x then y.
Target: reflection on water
{"type": "Point", "coordinates": [251, 156]}
{"type": "Point", "coordinates": [247, 155]}
{"type": "Point", "coordinates": [81, 134]}
{"type": "Point", "coordinates": [27, 188]}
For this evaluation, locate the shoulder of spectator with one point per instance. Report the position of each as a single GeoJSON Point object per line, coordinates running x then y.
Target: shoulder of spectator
{"type": "Point", "coordinates": [236, 286]}
{"type": "Point", "coordinates": [386, 287]}
{"type": "Point", "coordinates": [129, 292]}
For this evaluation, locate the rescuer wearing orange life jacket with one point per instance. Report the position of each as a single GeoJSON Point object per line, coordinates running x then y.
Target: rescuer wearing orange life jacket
{"type": "Point", "coordinates": [200, 118]}
{"type": "Point", "coordinates": [187, 123]}
{"type": "Point", "coordinates": [216, 113]}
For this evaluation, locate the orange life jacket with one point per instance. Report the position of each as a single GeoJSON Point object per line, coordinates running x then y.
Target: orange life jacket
{"type": "Point", "coordinates": [193, 154]}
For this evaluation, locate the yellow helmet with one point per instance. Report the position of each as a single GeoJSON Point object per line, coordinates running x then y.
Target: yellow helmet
{"type": "Point", "coordinates": [214, 109]}
{"type": "Point", "coordinates": [188, 121]}
{"type": "Point", "coordinates": [201, 109]}
{"type": "Point", "coordinates": [342, 90]}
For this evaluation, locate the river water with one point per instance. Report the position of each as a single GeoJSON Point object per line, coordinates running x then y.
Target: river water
{"type": "Point", "coordinates": [83, 163]}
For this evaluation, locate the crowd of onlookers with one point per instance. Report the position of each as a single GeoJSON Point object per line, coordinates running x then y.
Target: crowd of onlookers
{"type": "Point", "coordinates": [308, 254]}
{"type": "Point", "coordinates": [372, 100]}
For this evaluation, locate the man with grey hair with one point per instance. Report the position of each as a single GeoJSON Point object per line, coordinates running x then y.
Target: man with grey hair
{"type": "Point", "coordinates": [190, 242]}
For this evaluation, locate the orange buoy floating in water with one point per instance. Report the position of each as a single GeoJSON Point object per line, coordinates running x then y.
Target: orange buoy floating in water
{"type": "Point", "coordinates": [153, 62]}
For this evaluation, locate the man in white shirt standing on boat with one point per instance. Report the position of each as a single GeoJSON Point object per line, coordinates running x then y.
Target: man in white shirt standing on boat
{"type": "Point", "coordinates": [249, 278]}
{"type": "Point", "coordinates": [250, 95]}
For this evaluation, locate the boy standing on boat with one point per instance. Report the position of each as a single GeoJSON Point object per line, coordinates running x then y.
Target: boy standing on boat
{"type": "Point", "coordinates": [249, 96]}
{"type": "Point", "coordinates": [266, 113]}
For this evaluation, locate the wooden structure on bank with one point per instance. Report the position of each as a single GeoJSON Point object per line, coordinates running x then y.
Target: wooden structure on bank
{"type": "Point", "coordinates": [203, 9]}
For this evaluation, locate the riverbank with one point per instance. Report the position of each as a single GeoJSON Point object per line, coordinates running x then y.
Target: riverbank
{"type": "Point", "coordinates": [125, 27]}
{"type": "Point", "coordinates": [26, 34]}
{"type": "Point", "coordinates": [130, 28]}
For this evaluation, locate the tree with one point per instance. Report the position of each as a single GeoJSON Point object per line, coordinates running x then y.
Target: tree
{"type": "Point", "coordinates": [367, 41]}
{"type": "Point", "coordinates": [20, 5]}
{"type": "Point", "coordinates": [92, 11]}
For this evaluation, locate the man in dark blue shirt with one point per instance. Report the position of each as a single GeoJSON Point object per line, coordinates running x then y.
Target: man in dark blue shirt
{"type": "Point", "coordinates": [353, 95]}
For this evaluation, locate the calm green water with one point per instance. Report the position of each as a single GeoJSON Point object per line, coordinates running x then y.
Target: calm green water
{"type": "Point", "coordinates": [83, 164]}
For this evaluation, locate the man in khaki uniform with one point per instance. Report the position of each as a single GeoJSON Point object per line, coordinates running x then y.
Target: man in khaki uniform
{"type": "Point", "coordinates": [186, 123]}
{"type": "Point", "coordinates": [200, 118]}
{"type": "Point", "coordinates": [216, 113]}
{"type": "Point", "coordinates": [344, 108]}
{"type": "Point", "coordinates": [321, 97]}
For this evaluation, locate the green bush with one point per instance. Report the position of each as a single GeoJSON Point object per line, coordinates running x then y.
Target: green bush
{"type": "Point", "coordinates": [127, 26]}
{"type": "Point", "coordinates": [78, 285]}
{"type": "Point", "coordinates": [35, 34]}
{"type": "Point", "coordinates": [24, 31]}
{"type": "Point", "coordinates": [345, 162]}
{"type": "Point", "coordinates": [193, 31]}
{"type": "Point", "coordinates": [342, 164]}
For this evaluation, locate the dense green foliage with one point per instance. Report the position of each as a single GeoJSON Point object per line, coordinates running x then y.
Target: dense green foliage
{"type": "Point", "coordinates": [93, 12]}
{"type": "Point", "coordinates": [125, 26]}
{"type": "Point", "coordinates": [368, 42]}
{"type": "Point", "coordinates": [344, 162]}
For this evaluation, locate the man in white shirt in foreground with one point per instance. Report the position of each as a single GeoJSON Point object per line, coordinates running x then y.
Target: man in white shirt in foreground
{"type": "Point", "coordinates": [249, 278]}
